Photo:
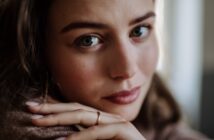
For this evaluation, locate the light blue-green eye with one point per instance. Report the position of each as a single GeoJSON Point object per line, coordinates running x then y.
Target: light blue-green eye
{"type": "Point", "coordinates": [140, 32]}
{"type": "Point", "coordinates": [87, 41]}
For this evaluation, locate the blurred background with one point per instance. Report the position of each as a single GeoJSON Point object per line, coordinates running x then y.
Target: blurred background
{"type": "Point", "coordinates": [186, 36]}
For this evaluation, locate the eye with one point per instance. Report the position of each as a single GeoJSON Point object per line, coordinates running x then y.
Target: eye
{"type": "Point", "coordinates": [141, 31]}
{"type": "Point", "coordinates": [87, 41]}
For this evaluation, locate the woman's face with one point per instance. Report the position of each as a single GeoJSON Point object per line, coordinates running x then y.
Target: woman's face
{"type": "Point", "coordinates": [103, 53]}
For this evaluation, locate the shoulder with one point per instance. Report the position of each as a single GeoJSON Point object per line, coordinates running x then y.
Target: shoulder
{"type": "Point", "coordinates": [181, 131]}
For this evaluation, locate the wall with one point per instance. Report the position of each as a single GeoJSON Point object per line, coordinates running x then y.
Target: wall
{"type": "Point", "coordinates": [184, 30]}
{"type": "Point", "coordinates": [207, 111]}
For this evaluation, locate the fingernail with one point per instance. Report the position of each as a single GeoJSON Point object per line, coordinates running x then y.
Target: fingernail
{"type": "Point", "coordinates": [31, 103]}
{"type": "Point", "coordinates": [37, 117]}
{"type": "Point", "coordinates": [61, 138]}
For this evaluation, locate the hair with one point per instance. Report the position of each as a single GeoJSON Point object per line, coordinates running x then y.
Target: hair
{"type": "Point", "coordinates": [23, 70]}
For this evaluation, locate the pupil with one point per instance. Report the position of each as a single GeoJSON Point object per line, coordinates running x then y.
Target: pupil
{"type": "Point", "coordinates": [138, 31]}
{"type": "Point", "coordinates": [88, 41]}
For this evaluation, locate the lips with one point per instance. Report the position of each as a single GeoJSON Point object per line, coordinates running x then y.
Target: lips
{"type": "Point", "coordinates": [124, 97]}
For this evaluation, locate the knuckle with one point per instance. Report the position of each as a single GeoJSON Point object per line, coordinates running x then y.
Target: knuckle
{"type": "Point", "coordinates": [75, 104]}
{"type": "Point", "coordinates": [45, 107]}
{"type": "Point", "coordinates": [81, 111]}
{"type": "Point", "coordinates": [80, 114]}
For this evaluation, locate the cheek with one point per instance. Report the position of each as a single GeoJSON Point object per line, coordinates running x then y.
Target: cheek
{"type": "Point", "coordinates": [149, 59]}
{"type": "Point", "coordinates": [78, 77]}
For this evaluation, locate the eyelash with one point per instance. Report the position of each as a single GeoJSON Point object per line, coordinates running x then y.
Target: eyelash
{"type": "Point", "coordinates": [97, 37]}
{"type": "Point", "coordinates": [78, 42]}
{"type": "Point", "coordinates": [145, 26]}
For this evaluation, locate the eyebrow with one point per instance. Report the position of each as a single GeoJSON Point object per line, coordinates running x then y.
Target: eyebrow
{"type": "Point", "coordinates": [96, 25]}
{"type": "Point", "coordinates": [142, 18]}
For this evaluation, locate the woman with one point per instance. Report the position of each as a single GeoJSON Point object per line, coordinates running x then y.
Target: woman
{"type": "Point", "coordinates": [80, 69]}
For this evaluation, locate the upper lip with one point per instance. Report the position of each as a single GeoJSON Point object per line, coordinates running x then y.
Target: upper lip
{"type": "Point", "coordinates": [123, 92]}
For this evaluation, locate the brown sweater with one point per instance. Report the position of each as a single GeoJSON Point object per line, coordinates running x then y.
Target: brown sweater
{"type": "Point", "coordinates": [15, 122]}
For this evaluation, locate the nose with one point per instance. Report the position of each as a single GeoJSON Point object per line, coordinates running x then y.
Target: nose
{"type": "Point", "coordinates": [123, 61]}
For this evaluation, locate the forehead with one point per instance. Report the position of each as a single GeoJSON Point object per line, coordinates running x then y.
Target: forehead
{"type": "Point", "coordinates": [106, 11]}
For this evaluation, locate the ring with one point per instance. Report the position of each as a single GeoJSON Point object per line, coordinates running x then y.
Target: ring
{"type": "Point", "coordinates": [98, 118]}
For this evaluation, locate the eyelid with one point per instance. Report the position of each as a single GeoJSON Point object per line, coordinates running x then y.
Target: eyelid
{"type": "Point", "coordinates": [146, 25]}
{"type": "Point", "coordinates": [87, 35]}
{"type": "Point", "coordinates": [77, 44]}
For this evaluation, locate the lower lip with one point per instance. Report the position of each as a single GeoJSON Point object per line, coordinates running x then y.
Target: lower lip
{"type": "Point", "coordinates": [125, 97]}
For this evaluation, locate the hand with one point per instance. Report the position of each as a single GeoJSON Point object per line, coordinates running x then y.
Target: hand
{"type": "Point", "coordinates": [110, 126]}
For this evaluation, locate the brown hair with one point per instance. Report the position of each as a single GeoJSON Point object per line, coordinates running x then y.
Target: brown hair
{"type": "Point", "coordinates": [23, 68]}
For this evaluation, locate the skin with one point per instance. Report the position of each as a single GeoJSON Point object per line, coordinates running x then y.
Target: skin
{"type": "Point", "coordinates": [117, 59]}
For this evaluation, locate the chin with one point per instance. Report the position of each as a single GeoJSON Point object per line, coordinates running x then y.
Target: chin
{"type": "Point", "coordinates": [129, 113]}
{"type": "Point", "coordinates": [130, 116]}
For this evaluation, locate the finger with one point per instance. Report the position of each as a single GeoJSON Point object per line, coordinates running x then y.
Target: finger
{"type": "Point", "coordinates": [82, 117]}
{"type": "Point", "coordinates": [122, 131]}
{"type": "Point", "coordinates": [63, 107]}
{"type": "Point", "coordinates": [92, 133]}
{"type": "Point", "coordinates": [48, 108]}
